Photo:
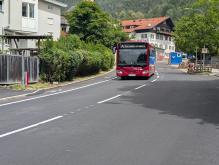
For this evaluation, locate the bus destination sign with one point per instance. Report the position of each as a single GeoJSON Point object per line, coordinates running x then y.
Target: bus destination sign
{"type": "Point", "coordinates": [132, 46]}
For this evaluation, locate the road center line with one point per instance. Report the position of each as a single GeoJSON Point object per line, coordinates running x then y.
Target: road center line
{"type": "Point", "coordinates": [140, 86]}
{"type": "Point", "coordinates": [100, 102]}
{"type": "Point", "coordinates": [52, 94]}
{"type": "Point", "coordinates": [29, 127]}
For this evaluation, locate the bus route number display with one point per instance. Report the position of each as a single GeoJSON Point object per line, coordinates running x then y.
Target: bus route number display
{"type": "Point", "coordinates": [132, 45]}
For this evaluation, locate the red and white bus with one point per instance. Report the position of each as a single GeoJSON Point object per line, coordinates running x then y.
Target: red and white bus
{"type": "Point", "coordinates": [135, 59]}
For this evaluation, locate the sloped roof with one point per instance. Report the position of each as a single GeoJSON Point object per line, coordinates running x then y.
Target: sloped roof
{"type": "Point", "coordinates": [142, 24]}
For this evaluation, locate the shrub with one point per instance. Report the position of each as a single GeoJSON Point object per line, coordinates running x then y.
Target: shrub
{"type": "Point", "coordinates": [68, 43]}
{"type": "Point", "coordinates": [107, 57]}
{"type": "Point", "coordinates": [62, 60]}
{"type": "Point", "coordinates": [91, 63]}
{"type": "Point", "coordinates": [57, 64]}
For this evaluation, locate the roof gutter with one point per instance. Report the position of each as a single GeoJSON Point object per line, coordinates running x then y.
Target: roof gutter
{"type": "Point", "coordinates": [60, 4]}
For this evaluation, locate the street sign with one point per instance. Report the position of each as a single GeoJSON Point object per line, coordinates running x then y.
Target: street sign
{"type": "Point", "coordinates": [204, 50]}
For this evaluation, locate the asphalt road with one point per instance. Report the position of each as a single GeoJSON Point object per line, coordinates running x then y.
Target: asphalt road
{"type": "Point", "coordinates": [170, 119]}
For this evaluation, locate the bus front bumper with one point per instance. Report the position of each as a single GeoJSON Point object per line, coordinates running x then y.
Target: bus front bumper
{"type": "Point", "coordinates": [138, 73]}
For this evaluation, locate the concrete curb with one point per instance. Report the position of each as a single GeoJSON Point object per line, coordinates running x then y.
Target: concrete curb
{"type": "Point", "coordinates": [185, 71]}
{"type": "Point", "coordinates": [18, 96]}
{"type": "Point", "coordinates": [216, 75]}
{"type": "Point", "coordinates": [60, 85]}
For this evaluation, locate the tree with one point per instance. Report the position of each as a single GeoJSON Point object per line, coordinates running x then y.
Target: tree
{"type": "Point", "coordinates": [199, 28]}
{"type": "Point", "coordinates": [92, 24]}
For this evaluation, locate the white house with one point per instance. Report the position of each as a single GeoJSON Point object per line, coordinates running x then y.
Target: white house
{"type": "Point", "coordinates": [30, 17]}
{"type": "Point", "coordinates": [157, 31]}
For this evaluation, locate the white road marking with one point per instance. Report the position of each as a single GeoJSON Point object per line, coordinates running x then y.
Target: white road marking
{"type": "Point", "coordinates": [52, 94]}
{"type": "Point", "coordinates": [140, 87]}
{"type": "Point", "coordinates": [23, 95]}
{"type": "Point", "coordinates": [100, 102]}
{"type": "Point", "coordinates": [72, 112]}
{"type": "Point", "coordinates": [29, 127]}
{"type": "Point", "coordinates": [154, 80]}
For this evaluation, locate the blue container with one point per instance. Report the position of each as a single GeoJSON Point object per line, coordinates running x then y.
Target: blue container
{"type": "Point", "coordinates": [175, 58]}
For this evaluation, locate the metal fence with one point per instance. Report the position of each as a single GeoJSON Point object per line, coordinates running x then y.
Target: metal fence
{"type": "Point", "coordinates": [11, 69]}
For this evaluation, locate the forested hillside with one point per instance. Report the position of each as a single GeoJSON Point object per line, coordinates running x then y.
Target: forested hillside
{"type": "Point", "coordinates": [133, 9]}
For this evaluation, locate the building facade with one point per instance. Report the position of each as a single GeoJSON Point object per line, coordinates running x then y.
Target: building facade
{"type": "Point", "coordinates": [30, 17]}
{"type": "Point", "coordinates": [157, 31]}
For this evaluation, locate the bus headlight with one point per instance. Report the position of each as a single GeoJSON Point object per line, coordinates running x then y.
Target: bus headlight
{"type": "Point", "coordinates": [119, 72]}
{"type": "Point", "coordinates": [145, 72]}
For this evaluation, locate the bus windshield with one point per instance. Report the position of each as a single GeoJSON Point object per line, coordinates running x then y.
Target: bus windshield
{"type": "Point", "coordinates": [132, 57]}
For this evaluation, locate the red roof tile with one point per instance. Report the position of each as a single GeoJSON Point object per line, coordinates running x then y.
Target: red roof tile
{"type": "Point", "coordinates": [141, 24]}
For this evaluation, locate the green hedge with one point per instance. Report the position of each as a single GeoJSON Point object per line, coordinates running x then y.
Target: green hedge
{"type": "Point", "coordinates": [107, 58]}
{"type": "Point", "coordinates": [68, 57]}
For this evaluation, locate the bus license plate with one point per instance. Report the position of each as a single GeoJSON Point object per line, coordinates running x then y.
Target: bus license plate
{"type": "Point", "coordinates": [132, 75]}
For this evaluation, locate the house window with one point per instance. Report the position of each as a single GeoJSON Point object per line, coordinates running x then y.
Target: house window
{"type": "Point", "coordinates": [24, 9]}
{"type": "Point", "coordinates": [166, 38]}
{"type": "Point", "coordinates": [161, 37]}
{"type": "Point", "coordinates": [31, 10]}
{"type": "Point", "coordinates": [157, 36]}
{"type": "Point", "coordinates": [173, 47]}
{"type": "Point", "coordinates": [50, 7]}
{"type": "Point", "coordinates": [152, 36]}
{"type": "Point", "coordinates": [1, 5]}
{"type": "Point", "coordinates": [50, 21]}
{"type": "Point", "coordinates": [143, 35]}
{"type": "Point", "coordinates": [169, 47]}
{"type": "Point", "coordinates": [169, 38]}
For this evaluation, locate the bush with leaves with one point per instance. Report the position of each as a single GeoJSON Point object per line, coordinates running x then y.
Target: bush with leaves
{"type": "Point", "coordinates": [58, 64]}
{"type": "Point", "coordinates": [91, 63]}
{"type": "Point", "coordinates": [107, 58]}
{"type": "Point", "coordinates": [63, 59]}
